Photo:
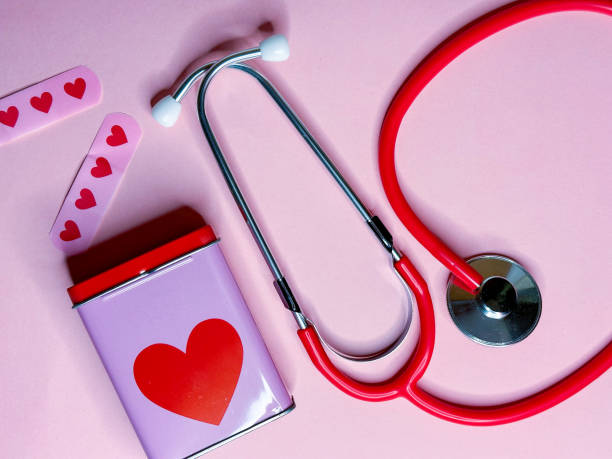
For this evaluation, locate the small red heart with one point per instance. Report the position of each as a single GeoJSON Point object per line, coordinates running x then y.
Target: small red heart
{"type": "Point", "coordinates": [9, 117]}
{"type": "Point", "coordinates": [102, 168]}
{"type": "Point", "coordinates": [198, 384]}
{"type": "Point", "coordinates": [76, 89]}
{"type": "Point", "coordinates": [86, 200]}
{"type": "Point", "coordinates": [42, 103]}
{"type": "Point", "coordinates": [117, 138]}
{"type": "Point", "coordinates": [71, 232]}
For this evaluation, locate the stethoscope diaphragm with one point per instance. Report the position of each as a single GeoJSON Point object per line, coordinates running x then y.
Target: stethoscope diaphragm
{"type": "Point", "coordinates": [506, 308]}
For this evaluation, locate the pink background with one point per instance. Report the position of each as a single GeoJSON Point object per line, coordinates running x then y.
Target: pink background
{"type": "Point", "coordinates": [507, 151]}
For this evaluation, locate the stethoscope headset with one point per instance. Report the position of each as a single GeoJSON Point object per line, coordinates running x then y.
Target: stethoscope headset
{"type": "Point", "coordinates": [491, 298]}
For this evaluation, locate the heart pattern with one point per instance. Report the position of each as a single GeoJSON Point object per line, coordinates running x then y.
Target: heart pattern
{"type": "Point", "coordinates": [102, 168]}
{"type": "Point", "coordinates": [117, 136]}
{"type": "Point", "coordinates": [71, 232]}
{"type": "Point", "coordinates": [76, 89]}
{"type": "Point", "coordinates": [42, 103]}
{"type": "Point", "coordinates": [198, 383]}
{"type": "Point", "coordinates": [86, 201]}
{"type": "Point", "coordinates": [48, 101]}
{"type": "Point", "coordinates": [96, 181]}
{"type": "Point", "coordinates": [9, 117]}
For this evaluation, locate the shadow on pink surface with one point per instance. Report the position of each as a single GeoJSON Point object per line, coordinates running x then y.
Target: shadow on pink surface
{"type": "Point", "coordinates": [133, 243]}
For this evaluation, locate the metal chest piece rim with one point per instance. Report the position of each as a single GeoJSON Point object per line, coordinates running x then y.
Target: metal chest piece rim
{"type": "Point", "coordinates": [506, 308]}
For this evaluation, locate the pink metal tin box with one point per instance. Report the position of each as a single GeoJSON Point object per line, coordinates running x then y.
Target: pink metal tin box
{"type": "Point", "coordinates": [181, 347]}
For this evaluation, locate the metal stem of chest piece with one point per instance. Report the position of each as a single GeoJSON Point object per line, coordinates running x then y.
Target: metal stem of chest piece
{"type": "Point", "coordinates": [207, 73]}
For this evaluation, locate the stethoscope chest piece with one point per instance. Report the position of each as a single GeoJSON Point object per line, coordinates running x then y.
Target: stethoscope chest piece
{"type": "Point", "coordinates": [506, 308]}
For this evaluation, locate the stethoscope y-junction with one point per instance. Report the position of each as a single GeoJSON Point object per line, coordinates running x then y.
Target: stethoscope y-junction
{"type": "Point", "coordinates": [491, 298]}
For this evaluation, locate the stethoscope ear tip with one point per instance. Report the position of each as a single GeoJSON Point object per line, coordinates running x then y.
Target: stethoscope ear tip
{"type": "Point", "coordinates": [166, 111]}
{"type": "Point", "coordinates": [275, 48]}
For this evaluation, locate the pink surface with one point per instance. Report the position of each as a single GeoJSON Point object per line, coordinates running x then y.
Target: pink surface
{"type": "Point", "coordinates": [46, 102]}
{"type": "Point", "coordinates": [96, 183]}
{"type": "Point", "coordinates": [507, 151]}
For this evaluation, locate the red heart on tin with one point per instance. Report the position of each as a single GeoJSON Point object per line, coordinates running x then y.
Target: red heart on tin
{"type": "Point", "coordinates": [76, 89]}
{"type": "Point", "coordinates": [199, 383]}
{"type": "Point", "coordinates": [102, 168]}
{"type": "Point", "coordinates": [71, 232]}
{"type": "Point", "coordinates": [86, 200]}
{"type": "Point", "coordinates": [9, 117]}
{"type": "Point", "coordinates": [42, 103]}
{"type": "Point", "coordinates": [118, 136]}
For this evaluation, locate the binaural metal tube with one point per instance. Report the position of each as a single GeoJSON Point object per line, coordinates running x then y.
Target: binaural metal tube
{"type": "Point", "coordinates": [208, 72]}
{"type": "Point", "coordinates": [188, 82]}
{"type": "Point", "coordinates": [166, 112]}
{"type": "Point", "coordinates": [200, 72]}
{"type": "Point", "coordinates": [310, 140]}
{"type": "Point", "coordinates": [225, 170]}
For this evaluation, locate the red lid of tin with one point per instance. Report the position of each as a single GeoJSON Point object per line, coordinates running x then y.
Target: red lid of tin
{"type": "Point", "coordinates": [140, 264]}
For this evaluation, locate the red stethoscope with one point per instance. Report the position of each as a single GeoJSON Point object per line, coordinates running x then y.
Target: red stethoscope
{"type": "Point", "coordinates": [485, 320]}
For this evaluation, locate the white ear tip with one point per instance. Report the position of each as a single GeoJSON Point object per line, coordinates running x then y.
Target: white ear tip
{"type": "Point", "coordinates": [275, 48]}
{"type": "Point", "coordinates": [166, 111]}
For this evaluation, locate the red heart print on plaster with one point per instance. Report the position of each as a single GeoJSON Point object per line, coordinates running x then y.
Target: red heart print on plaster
{"type": "Point", "coordinates": [9, 117]}
{"type": "Point", "coordinates": [102, 168]}
{"type": "Point", "coordinates": [117, 136]}
{"type": "Point", "coordinates": [71, 232]}
{"type": "Point", "coordinates": [86, 200]}
{"type": "Point", "coordinates": [76, 89]}
{"type": "Point", "coordinates": [42, 103]}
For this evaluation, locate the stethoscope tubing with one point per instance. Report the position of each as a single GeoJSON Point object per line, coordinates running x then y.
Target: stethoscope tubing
{"type": "Point", "coordinates": [436, 61]}
{"type": "Point", "coordinates": [405, 382]}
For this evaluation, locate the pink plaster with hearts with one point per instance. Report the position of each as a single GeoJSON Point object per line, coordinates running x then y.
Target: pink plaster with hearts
{"type": "Point", "coordinates": [50, 100]}
{"type": "Point", "coordinates": [96, 183]}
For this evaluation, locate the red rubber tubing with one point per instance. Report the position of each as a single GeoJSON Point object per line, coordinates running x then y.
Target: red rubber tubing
{"type": "Point", "coordinates": [405, 382]}
{"type": "Point", "coordinates": [439, 58]}
{"type": "Point", "coordinates": [412, 370]}
{"type": "Point", "coordinates": [487, 415]}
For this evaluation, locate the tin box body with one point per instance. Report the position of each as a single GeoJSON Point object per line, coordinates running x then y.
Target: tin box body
{"type": "Point", "coordinates": [181, 347]}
